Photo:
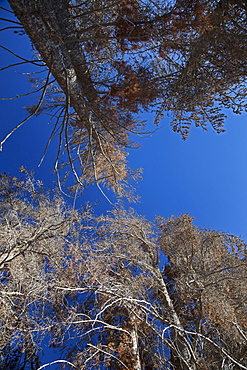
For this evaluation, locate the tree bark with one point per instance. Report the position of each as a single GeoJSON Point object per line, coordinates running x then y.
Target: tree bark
{"type": "Point", "coordinates": [135, 347]}
{"type": "Point", "coordinates": [183, 354]}
{"type": "Point", "coordinates": [52, 30]}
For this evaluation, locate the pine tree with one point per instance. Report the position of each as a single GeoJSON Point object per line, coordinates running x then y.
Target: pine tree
{"type": "Point", "coordinates": [111, 61]}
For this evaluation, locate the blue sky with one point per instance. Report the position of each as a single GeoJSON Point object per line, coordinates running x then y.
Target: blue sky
{"type": "Point", "coordinates": [205, 175]}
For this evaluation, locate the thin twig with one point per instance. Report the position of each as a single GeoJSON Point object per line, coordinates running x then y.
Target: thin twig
{"type": "Point", "coordinates": [30, 93]}
{"type": "Point", "coordinates": [9, 20]}
{"type": "Point", "coordinates": [10, 28]}
{"type": "Point", "coordinates": [30, 115]}
{"type": "Point", "coordinates": [18, 56]}
{"type": "Point", "coordinates": [6, 10]}
{"type": "Point", "coordinates": [56, 362]}
{"type": "Point", "coordinates": [109, 354]}
{"type": "Point", "coordinates": [51, 135]}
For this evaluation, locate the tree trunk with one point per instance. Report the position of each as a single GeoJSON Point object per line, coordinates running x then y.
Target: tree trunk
{"type": "Point", "coordinates": [135, 347]}
{"type": "Point", "coordinates": [51, 28]}
{"type": "Point", "coordinates": [183, 353]}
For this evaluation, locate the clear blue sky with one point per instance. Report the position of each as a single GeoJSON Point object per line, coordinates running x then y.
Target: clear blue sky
{"type": "Point", "coordinates": [205, 176]}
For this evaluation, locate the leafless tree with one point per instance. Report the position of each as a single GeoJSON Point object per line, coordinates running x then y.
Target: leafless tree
{"type": "Point", "coordinates": [117, 291]}
{"type": "Point", "coordinates": [33, 230]}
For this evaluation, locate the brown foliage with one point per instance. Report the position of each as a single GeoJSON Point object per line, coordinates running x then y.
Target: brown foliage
{"type": "Point", "coordinates": [207, 277]}
{"type": "Point", "coordinates": [113, 60]}
{"type": "Point", "coordinates": [100, 289]}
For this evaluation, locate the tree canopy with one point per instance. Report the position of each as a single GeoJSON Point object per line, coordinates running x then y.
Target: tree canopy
{"type": "Point", "coordinates": [112, 60]}
{"type": "Point", "coordinates": [118, 291]}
